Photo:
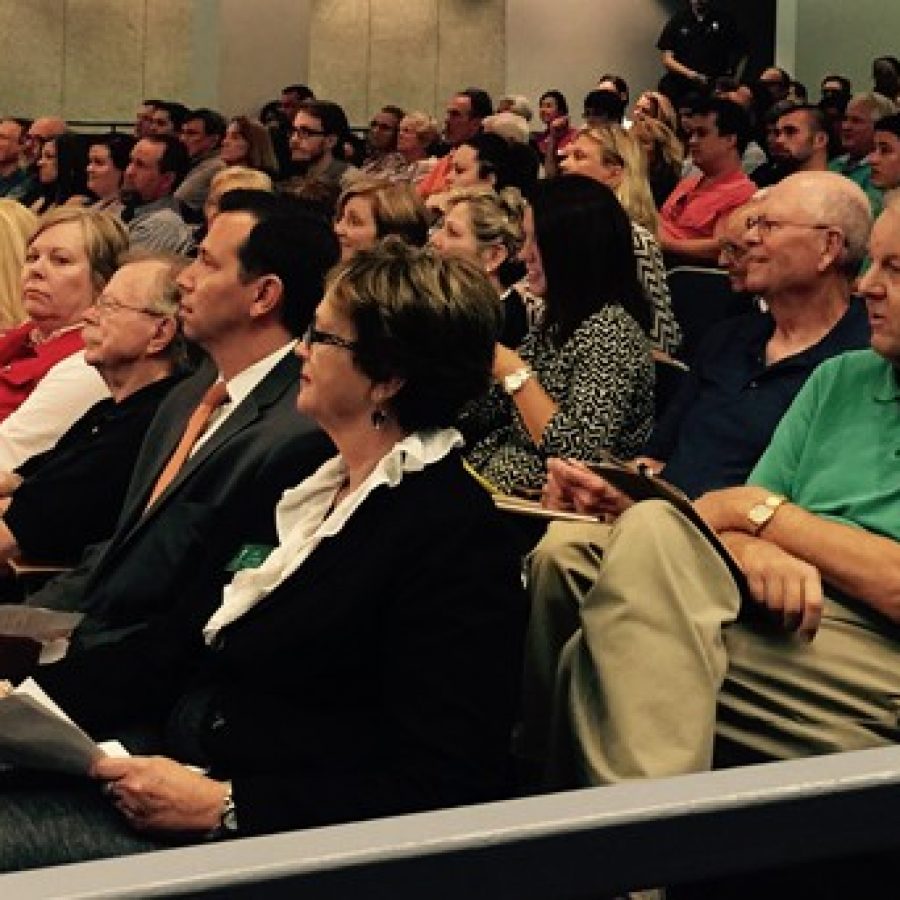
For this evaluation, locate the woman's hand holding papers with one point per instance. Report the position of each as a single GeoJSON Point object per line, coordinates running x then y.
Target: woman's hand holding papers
{"type": "Point", "coordinates": [572, 486]}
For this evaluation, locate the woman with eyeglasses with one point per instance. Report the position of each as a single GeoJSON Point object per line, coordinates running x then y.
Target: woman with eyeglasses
{"type": "Point", "coordinates": [613, 157]}
{"type": "Point", "coordinates": [369, 665]}
{"type": "Point", "coordinates": [45, 383]}
{"type": "Point", "coordinates": [582, 381]}
{"type": "Point", "coordinates": [131, 337]}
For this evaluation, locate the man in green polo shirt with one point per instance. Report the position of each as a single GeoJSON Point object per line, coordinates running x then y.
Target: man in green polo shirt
{"type": "Point", "coordinates": [665, 671]}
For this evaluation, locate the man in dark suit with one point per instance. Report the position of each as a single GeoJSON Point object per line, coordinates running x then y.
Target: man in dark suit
{"type": "Point", "coordinates": [251, 291]}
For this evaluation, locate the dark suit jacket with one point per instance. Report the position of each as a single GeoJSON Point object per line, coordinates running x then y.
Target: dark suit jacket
{"type": "Point", "coordinates": [223, 498]}
{"type": "Point", "coordinates": [381, 678]}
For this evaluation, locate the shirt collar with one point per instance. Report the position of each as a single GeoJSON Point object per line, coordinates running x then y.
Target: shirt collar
{"type": "Point", "coordinates": [240, 385]}
{"type": "Point", "coordinates": [888, 388]}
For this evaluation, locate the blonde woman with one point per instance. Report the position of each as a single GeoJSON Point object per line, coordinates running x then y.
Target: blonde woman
{"type": "Point", "coordinates": [230, 179]}
{"type": "Point", "coordinates": [17, 225]}
{"type": "Point", "coordinates": [369, 209]}
{"type": "Point", "coordinates": [663, 155]}
{"type": "Point", "coordinates": [415, 136]}
{"type": "Point", "coordinates": [613, 157]}
{"type": "Point", "coordinates": [655, 106]}
{"type": "Point", "coordinates": [488, 229]}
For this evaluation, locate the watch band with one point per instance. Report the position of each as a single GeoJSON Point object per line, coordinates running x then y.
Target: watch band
{"type": "Point", "coordinates": [761, 513]}
{"type": "Point", "coordinates": [515, 381]}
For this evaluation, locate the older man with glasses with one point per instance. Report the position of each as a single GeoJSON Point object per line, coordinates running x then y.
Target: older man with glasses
{"type": "Point", "coordinates": [799, 247]}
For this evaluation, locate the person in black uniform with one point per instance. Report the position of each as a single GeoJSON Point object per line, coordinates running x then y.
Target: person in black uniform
{"type": "Point", "coordinates": [699, 44]}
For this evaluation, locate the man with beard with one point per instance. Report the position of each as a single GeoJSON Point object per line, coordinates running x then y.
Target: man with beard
{"type": "Point", "coordinates": [800, 141]}
{"type": "Point", "coordinates": [152, 214]}
{"type": "Point", "coordinates": [317, 137]}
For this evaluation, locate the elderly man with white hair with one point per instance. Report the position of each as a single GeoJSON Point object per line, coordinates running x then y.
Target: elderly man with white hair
{"type": "Point", "coordinates": [654, 598]}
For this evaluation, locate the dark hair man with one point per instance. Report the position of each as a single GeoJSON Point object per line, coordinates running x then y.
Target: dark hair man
{"type": "Point", "coordinates": [249, 294]}
{"type": "Point", "coordinates": [201, 134]}
{"type": "Point", "coordinates": [156, 168]}
{"type": "Point", "coordinates": [718, 131]}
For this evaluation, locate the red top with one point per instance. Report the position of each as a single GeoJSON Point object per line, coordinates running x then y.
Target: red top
{"type": "Point", "coordinates": [23, 365]}
{"type": "Point", "coordinates": [696, 204]}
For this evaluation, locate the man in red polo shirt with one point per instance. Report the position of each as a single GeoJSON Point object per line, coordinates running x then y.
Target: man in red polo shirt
{"type": "Point", "coordinates": [718, 133]}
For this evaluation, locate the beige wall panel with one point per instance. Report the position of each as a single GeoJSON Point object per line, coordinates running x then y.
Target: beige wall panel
{"type": "Point", "coordinates": [167, 50]}
{"type": "Point", "coordinates": [567, 44]}
{"type": "Point", "coordinates": [264, 46]}
{"type": "Point", "coordinates": [31, 61]}
{"type": "Point", "coordinates": [103, 49]}
{"type": "Point", "coordinates": [339, 54]}
{"type": "Point", "coordinates": [403, 60]}
{"type": "Point", "coordinates": [471, 47]}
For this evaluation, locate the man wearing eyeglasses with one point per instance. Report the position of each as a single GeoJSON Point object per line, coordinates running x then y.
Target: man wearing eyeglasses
{"type": "Point", "coordinates": [131, 337]}
{"type": "Point", "coordinates": [197, 512]}
{"type": "Point", "coordinates": [316, 143]}
{"type": "Point", "coordinates": [799, 248]}
{"type": "Point", "coordinates": [383, 160]}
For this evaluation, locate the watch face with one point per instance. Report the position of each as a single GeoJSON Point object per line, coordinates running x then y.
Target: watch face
{"type": "Point", "coordinates": [760, 513]}
{"type": "Point", "coordinates": [229, 820]}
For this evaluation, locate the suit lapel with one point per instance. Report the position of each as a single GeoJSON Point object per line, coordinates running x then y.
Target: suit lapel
{"type": "Point", "coordinates": [282, 378]}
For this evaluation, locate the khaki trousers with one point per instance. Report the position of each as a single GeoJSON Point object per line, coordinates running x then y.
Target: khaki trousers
{"type": "Point", "coordinates": [660, 670]}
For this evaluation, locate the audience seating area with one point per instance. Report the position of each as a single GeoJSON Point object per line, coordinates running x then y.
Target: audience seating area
{"type": "Point", "coordinates": [641, 214]}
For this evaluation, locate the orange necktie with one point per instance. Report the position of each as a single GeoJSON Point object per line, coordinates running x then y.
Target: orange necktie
{"type": "Point", "coordinates": [215, 396]}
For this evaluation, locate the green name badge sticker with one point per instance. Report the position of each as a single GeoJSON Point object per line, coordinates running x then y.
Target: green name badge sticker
{"type": "Point", "coordinates": [250, 556]}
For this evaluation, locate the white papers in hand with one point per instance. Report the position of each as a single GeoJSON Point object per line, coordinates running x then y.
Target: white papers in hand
{"type": "Point", "coordinates": [36, 734]}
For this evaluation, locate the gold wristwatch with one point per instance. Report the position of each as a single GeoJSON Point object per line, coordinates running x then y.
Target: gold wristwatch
{"type": "Point", "coordinates": [761, 513]}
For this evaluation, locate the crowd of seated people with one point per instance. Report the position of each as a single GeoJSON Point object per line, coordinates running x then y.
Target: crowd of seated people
{"type": "Point", "coordinates": [300, 604]}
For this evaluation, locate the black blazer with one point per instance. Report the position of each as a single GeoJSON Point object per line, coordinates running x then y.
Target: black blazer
{"type": "Point", "coordinates": [381, 678]}
{"type": "Point", "coordinates": [221, 499]}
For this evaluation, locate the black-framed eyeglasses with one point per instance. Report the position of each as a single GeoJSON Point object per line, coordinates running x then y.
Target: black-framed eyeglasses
{"type": "Point", "coordinates": [765, 226]}
{"type": "Point", "coordinates": [314, 336]}
{"type": "Point", "coordinates": [382, 126]}
{"type": "Point", "coordinates": [301, 131]}
{"type": "Point", "coordinates": [106, 305]}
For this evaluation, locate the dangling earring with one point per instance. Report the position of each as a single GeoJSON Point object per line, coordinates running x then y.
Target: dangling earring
{"type": "Point", "coordinates": [379, 417]}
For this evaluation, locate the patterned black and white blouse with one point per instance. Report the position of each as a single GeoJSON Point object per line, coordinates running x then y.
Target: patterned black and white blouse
{"type": "Point", "coordinates": [665, 334]}
{"type": "Point", "coordinates": [602, 382]}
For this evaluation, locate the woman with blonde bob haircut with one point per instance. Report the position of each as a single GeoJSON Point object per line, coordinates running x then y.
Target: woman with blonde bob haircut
{"type": "Point", "coordinates": [415, 135]}
{"type": "Point", "coordinates": [230, 179]}
{"type": "Point", "coordinates": [45, 383]}
{"type": "Point", "coordinates": [17, 225]}
{"type": "Point", "coordinates": [613, 157]}
{"type": "Point", "coordinates": [488, 228]}
{"type": "Point", "coordinates": [370, 209]}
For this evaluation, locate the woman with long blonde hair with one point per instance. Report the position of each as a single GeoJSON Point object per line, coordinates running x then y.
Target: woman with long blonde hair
{"type": "Point", "coordinates": [663, 154]}
{"type": "Point", "coordinates": [17, 225]}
